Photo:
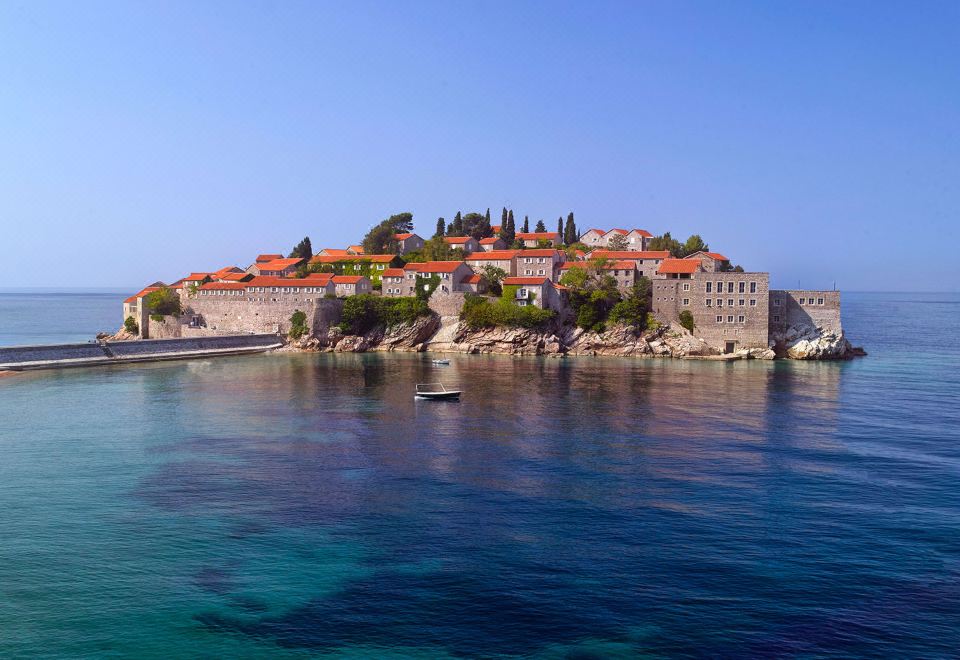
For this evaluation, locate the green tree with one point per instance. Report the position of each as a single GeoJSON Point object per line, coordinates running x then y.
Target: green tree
{"type": "Point", "coordinates": [686, 320]}
{"type": "Point", "coordinates": [508, 230]}
{"type": "Point", "coordinates": [162, 302]}
{"type": "Point", "coordinates": [618, 243]}
{"type": "Point", "coordinates": [495, 277]}
{"type": "Point", "coordinates": [526, 224]}
{"type": "Point", "coordinates": [441, 226]}
{"type": "Point", "coordinates": [130, 325]}
{"type": "Point", "coordinates": [694, 244]}
{"type": "Point", "coordinates": [298, 325]}
{"type": "Point", "coordinates": [303, 249]}
{"type": "Point", "coordinates": [434, 249]}
{"type": "Point", "coordinates": [633, 309]}
{"type": "Point", "coordinates": [560, 229]}
{"type": "Point", "coordinates": [382, 238]}
{"type": "Point", "coordinates": [592, 293]}
{"type": "Point", "coordinates": [457, 229]}
{"type": "Point", "coordinates": [504, 217]}
{"type": "Point", "coordinates": [570, 230]}
{"type": "Point", "coordinates": [668, 243]}
{"type": "Point", "coordinates": [540, 228]}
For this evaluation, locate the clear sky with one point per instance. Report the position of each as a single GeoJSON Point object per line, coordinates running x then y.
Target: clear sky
{"type": "Point", "coordinates": [144, 140]}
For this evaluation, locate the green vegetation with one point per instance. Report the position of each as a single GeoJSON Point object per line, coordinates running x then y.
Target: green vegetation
{"type": "Point", "coordinates": [677, 249]}
{"type": "Point", "coordinates": [423, 287]}
{"type": "Point", "coordinates": [441, 227]}
{"type": "Point", "coordinates": [380, 239]}
{"type": "Point", "coordinates": [540, 228]}
{"type": "Point", "coordinates": [365, 312]}
{"type": "Point", "coordinates": [618, 243]}
{"type": "Point", "coordinates": [298, 325]}
{"type": "Point", "coordinates": [478, 312]}
{"type": "Point", "coordinates": [570, 235]}
{"type": "Point", "coordinates": [495, 277]}
{"type": "Point", "coordinates": [595, 298]}
{"type": "Point", "coordinates": [686, 320]}
{"type": "Point", "coordinates": [508, 230]}
{"type": "Point", "coordinates": [162, 302]}
{"type": "Point", "coordinates": [130, 325]}
{"type": "Point", "coordinates": [303, 249]}
{"type": "Point", "coordinates": [435, 249]}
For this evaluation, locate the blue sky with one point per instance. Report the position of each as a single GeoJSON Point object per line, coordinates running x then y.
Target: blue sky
{"type": "Point", "coordinates": [142, 140]}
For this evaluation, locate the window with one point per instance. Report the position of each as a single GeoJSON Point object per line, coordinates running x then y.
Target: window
{"type": "Point", "coordinates": [803, 301]}
{"type": "Point", "coordinates": [742, 302]}
{"type": "Point", "coordinates": [742, 288]}
{"type": "Point", "coordinates": [753, 287]}
{"type": "Point", "coordinates": [540, 260]}
{"type": "Point", "coordinates": [708, 302]}
{"type": "Point", "coordinates": [776, 302]}
{"type": "Point", "coordinates": [719, 319]}
{"type": "Point", "coordinates": [819, 301]}
{"type": "Point", "coordinates": [740, 318]}
{"type": "Point", "coordinates": [730, 302]}
{"type": "Point", "coordinates": [730, 319]}
{"type": "Point", "coordinates": [719, 302]}
{"type": "Point", "coordinates": [709, 287]}
{"type": "Point", "coordinates": [686, 287]}
{"type": "Point", "coordinates": [686, 301]}
{"type": "Point", "coordinates": [776, 318]}
{"type": "Point", "coordinates": [719, 287]}
{"type": "Point", "coordinates": [753, 302]}
{"type": "Point", "coordinates": [528, 272]}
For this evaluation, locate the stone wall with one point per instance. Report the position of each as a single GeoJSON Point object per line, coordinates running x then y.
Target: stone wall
{"type": "Point", "coordinates": [14, 354]}
{"type": "Point", "coordinates": [447, 304]}
{"type": "Point", "coordinates": [260, 314]}
{"type": "Point", "coordinates": [819, 309]}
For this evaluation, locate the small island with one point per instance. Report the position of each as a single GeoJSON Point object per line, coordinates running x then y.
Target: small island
{"type": "Point", "coordinates": [477, 287]}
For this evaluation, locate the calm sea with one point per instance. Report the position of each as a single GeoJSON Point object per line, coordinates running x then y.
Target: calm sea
{"type": "Point", "coordinates": [305, 505]}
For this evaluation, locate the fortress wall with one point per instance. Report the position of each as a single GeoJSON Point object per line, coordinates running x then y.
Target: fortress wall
{"type": "Point", "coordinates": [226, 315]}
{"type": "Point", "coordinates": [812, 312]}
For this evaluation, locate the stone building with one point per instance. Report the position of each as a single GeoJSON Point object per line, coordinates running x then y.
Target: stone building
{"type": "Point", "coordinates": [636, 239]}
{"type": "Point", "coordinates": [492, 243]}
{"type": "Point", "coordinates": [533, 239]}
{"type": "Point", "coordinates": [647, 262]}
{"type": "Point", "coordinates": [466, 243]}
{"type": "Point", "coordinates": [278, 267]}
{"type": "Point", "coordinates": [537, 291]}
{"type": "Point", "coordinates": [540, 263]}
{"type": "Point", "coordinates": [135, 307]}
{"type": "Point", "coordinates": [712, 262]}
{"type": "Point", "coordinates": [450, 273]}
{"type": "Point", "coordinates": [505, 260]}
{"type": "Point", "coordinates": [804, 308]}
{"type": "Point", "coordinates": [408, 242]}
{"type": "Point", "coordinates": [370, 265]}
{"type": "Point", "coordinates": [351, 285]}
{"type": "Point", "coordinates": [624, 272]}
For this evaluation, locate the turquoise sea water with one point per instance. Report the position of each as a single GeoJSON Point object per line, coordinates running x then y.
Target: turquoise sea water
{"type": "Point", "coordinates": [305, 505]}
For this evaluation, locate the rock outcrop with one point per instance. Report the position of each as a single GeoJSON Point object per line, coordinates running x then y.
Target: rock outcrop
{"type": "Point", "coordinates": [403, 337]}
{"type": "Point", "coordinates": [811, 342]}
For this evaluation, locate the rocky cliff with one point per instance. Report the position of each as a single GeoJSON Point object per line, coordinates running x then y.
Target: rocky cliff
{"type": "Point", "coordinates": [446, 334]}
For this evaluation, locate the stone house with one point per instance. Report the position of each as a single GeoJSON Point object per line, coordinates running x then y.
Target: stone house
{"type": "Point", "coordinates": [647, 262]}
{"type": "Point", "coordinates": [234, 277]}
{"type": "Point", "coordinates": [393, 282]}
{"type": "Point", "coordinates": [135, 307]}
{"type": "Point", "coordinates": [355, 249]}
{"type": "Point", "coordinates": [532, 239]}
{"type": "Point", "coordinates": [266, 258]}
{"type": "Point", "coordinates": [474, 283]}
{"type": "Point", "coordinates": [801, 308]}
{"type": "Point", "coordinates": [730, 310]}
{"type": "Point", "coordinates": [466, 243]}
{"type": "Point", "coordinates": [351, 285]}
{"type": "Point", "coordinates": [370, 265]}
{"type": "Point", "coordinates": [492, 243]}
{"type": "Point", "coordinates": [624, 272]}
{"type": "Point", "coordinates": [536, 291]}
{"type": "Point", "coordinates": [712, 262]}
{"type": "Point", "coordinates": [333, 252]}
{"type": "Point", "coordinates": [451, 275]}
{"type": "Point", "coordinates": [679, 269]}
{"type": "Point", "coordinates": [540, 263]}
{"type": "Point", "coordinates": [637, 239]}
{"type": "Point", "coordinates": [506, 260]}
{"type": "Point", "coordinates": [279, 267]}
{"type": "Point", "coordinates": [408, 242]}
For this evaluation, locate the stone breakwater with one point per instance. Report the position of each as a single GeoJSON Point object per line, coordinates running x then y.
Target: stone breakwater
{"type": "Point", "coordinates": [447, 335]}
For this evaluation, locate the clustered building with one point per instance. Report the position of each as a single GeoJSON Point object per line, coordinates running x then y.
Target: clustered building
{"type": "Point", "coordinates": [731, 310]}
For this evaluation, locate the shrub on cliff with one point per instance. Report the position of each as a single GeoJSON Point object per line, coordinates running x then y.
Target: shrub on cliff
{"type": "Point", "coordinates": [130, 325]}
{"type": "Point", "coordinates": [162, 302]}
{"type": "Point", "coordinates": [686, 319]}
{"type": "Point", "coordinates": [478, 313]}
{"type": "Point", "coordinates": [365, 312]}
{"type": "Point", "coordinates": [298, 325]}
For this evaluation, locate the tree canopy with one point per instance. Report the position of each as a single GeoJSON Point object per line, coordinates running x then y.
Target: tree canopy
{"type": "Point", "coordinates": [540, 228]}
{"type": "Point", "coordinates": [303, 249]}
{"type": "Point", "coordinates": [618, 242]}
{"type": "Point", "coordinates": [381, 239]}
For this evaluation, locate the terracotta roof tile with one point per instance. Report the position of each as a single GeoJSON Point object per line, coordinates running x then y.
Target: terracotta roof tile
{"type": "Point", "coordinates": [434, 267]}
{"type": "Point", "coordinates": [678, 267]}
{"type": "Point", "coordinates": [527, 281]}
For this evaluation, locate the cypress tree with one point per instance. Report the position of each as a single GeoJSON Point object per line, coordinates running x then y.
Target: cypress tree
{"type": "Point", "coordinates": [570, 231]}
{"type": "Point", "coordinates": [560, 229]}
{"type": "Point", "coordinates": [449, 229]}
{"type": "Point", "coordinates": [441, 225]}
{"type": "Point", "coordinates": [540, 228]}
{"type": "Point", "coordinates": [509, 230]}
{"type": "Point", "coordinates": [458, 224]}
{"type": "Point", "coordinates": [526, 224]}
{"type": "Point", "coordinates": [487, 216]}
{"type": "Point", "coordinates": [504, 219]}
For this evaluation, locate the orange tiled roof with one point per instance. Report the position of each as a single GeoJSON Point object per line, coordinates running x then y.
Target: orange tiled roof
{"type": "Point", "coordinates": [489, 241]}
{"type": "Point", "coordinates": [472, 279]}
{"type": "Point", "coordinates": [402, 237]}
{"type": "Point", "coordinates": [524, 280]}
{"type": "Point", "coordinates": [264, 258]}
{"type": "Point", "coordinates": [280, 264]}
{"type": "Point", "coordinates": [434, 267]}
{"type": "Point", "coordinates": [678, 267]}
{"type": "Point", "coordinates": [356, 249]}
{"type": "Point", "coordinates": [542, 252]}
{"type": "Point", "coordinates": [347, 279]}
{"type": "Point", "coordinates": [713, 255]}
{"type": "Point", "coordinates": [235, 277]}
{"type": "Point", "coordinates": [457, 240]}
{"type": "Point", "coordinates": [318, 277]}
{"type": "Point", "coordinates": [143, 292]}
{"type": "Point", "coordinates": [538, 235]}
{"type": "Point", "coordinates": [393, 272]}
{"type": "Point", "coordinates": [628, 254]}
{"type": "Point", "coordinates": [196, 277]}
{"type": "Point", "coordinates": [334, 252]}
{"type": "Point", "coordinates": [359, 258]}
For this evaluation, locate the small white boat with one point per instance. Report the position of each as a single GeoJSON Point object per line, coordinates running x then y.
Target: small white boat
{"type": "Point", "coordinates": [440, 361]}
{"type": "Point", "coordinates": [435, 391]}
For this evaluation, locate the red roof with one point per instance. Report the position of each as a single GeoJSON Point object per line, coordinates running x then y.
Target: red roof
{"type": "Point", "coordinates": [536, 236]}
{"type": "Point", "coordinates": [434, 267]}
{"type": "Point", "coordinates": [235, 277]}
{"type": "Point", "coordinates": [599, 231]}
{"type": "Point", "coordinates": [196, 277]}
{"type": "Point", "coordinates": [318, 278]}
{"type": "Point", "coordinates": [524, 280]}
{"type": "Point", "coordinates": [472, 279]}
{"type": "Point", "coordinates": [678, 267]}
{"type": "Point", "coordinates": [402, 237]}
{"type": "Point", "coordinates": [224, 271]}
{"type": "Point", "coordinates": [619, 231]}
{"type": "Point", "coordinates": [280, 264]}
{"type": "Point", "coordinates": [347, 279]}
{"type": "Point", "coordinates": [270, 280]}
{"type": "Point", "coordinates": [263, 258]}
{"type": "Point", "coordinates": [393, 272]}
{"type": "Point", "coordinates": [357, 249]}
{"type": "Point", "coordinates": [495, 228]}
{"type": "Point", "coordinates": [142, 293]}
{"type": "Point", "coordinates": [359, 258]}
{"type": "Point", "coordinates": [457, 240]}
{"type": "Point", "coordinates": [333, 252]}
{"type": "Point", "coordinates": [489, 241]}
{"type": "Point", "coordinates": [494, 255]}
{"type": "Point", "coordinates": [644, 233]}
{"type": "Point", "coordinates": [627, 254]}
{"type": "Point", "coordinates": [713, 255]}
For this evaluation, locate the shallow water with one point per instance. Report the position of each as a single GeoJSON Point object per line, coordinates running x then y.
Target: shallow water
{"type": "Point", "coordinates": [588, 507]}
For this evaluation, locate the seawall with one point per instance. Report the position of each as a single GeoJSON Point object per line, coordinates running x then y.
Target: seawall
{"type": "Point", "coordinates": [59, 356]}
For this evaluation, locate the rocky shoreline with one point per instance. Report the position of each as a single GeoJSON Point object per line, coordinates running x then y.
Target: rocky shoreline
{"type": "Point", "coordinates": [447, 335]}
